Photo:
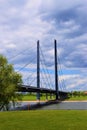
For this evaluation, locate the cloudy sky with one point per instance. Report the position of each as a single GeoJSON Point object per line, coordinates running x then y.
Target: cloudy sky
{"type": "Point", "coordinates": [23, 22]}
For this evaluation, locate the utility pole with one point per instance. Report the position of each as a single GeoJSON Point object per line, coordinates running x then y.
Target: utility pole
{"type": "Point", "coordinates": [38, 69]}
{"type": "Point", "coordinates": [56, 70]}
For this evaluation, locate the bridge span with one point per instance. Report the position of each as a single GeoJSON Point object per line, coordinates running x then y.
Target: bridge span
{"type": "Point", "coordinates": [26, 88]}
{"type": "Point", "coordinates": [39, 89]}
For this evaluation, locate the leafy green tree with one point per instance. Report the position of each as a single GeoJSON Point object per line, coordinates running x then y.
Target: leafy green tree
{"type": "Point", "coordinates": [10, 81]}
{"type": "Point", "coordinates": [75, 93]}
{"type": "Point", "coordinates": [69, 95]}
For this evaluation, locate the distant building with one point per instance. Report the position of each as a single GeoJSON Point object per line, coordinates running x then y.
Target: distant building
{"type": "Point", "coordinates": [85, 92]}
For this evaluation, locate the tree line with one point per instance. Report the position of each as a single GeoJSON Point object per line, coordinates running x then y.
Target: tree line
{"type": "Point", "coordinates": [77, 93]}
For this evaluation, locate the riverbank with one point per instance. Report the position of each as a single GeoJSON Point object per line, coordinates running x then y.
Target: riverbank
{"type": "Point", "coordinates": [54, 101]}
{"type": "Point", "coordinates": [32, 97]}
{"type": "Point", "coordinates": [75, 101]}
{"type": "Point", "coordinates": [77, 98]}
{"type": "Point", "coordinates": [44, 120]}
{"type": "Point", "coordinates": [29, 97]}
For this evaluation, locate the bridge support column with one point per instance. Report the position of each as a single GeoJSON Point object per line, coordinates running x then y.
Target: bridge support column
{"type": "Point", "coordinates": [56, 70]}
{"type": "Point", "coordinates": [38, 70]}
{"type": "Point", "coordinates": [46, 96]}
{"type": "Point", "coordinates": [50, 95]}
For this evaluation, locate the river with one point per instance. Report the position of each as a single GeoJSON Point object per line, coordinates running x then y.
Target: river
{"type": "Point", "coordinates": [77, 105]}
{"type": "Point", "coordinates": [66, 106]}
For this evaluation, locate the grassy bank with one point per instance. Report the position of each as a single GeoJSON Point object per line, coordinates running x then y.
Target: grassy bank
{"type": "Point", "coordinates": [44, 120]}
{"type": "Point", "coordinates": [29, 97]}
{"type": "Point", "coordinates": [77, 98]}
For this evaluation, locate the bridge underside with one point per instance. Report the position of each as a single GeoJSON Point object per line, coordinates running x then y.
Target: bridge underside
{"type": "Point", "coordinates": [25, 88]}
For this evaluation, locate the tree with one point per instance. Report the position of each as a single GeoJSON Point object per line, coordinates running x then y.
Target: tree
{"type": "Point", "coordinates": [10, 81]}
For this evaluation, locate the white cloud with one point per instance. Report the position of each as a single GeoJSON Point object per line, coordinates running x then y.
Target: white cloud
{"type": "Point", "coordinates": [74, 82]}
{"type": "Point", "coordinates": [11, 45]}
{"type": "Point", "coordinates": [67, 77]}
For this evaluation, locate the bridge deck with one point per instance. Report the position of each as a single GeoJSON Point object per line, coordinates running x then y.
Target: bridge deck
{"type": "Point", "coordinates": [26, 88]}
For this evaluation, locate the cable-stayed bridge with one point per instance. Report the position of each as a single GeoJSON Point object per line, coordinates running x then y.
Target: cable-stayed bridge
{"type": "Point", "coordinates": [38, 77]}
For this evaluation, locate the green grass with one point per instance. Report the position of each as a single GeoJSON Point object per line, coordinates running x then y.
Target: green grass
{"type": "Point", "coordinates": [77, 98]}
{"type": "Point", "coordinates": [28, 97]}
{"type": "Point", "coordinates": [44, 120]}
{"type": "Point", "coordinates": [32, 97]}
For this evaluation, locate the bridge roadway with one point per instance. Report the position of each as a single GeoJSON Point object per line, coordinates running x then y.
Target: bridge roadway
{"type": "Point", "coordinates": [26, 88]}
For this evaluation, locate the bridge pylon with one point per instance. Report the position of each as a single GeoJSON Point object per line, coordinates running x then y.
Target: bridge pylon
{"type": "Point", "coordinates": [38, 69]}
{"type": "Point", "coordinates": [56, 70]}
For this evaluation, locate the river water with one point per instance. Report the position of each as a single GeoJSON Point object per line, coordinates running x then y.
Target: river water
{"type": "Point", "coordinates": [66, 106]}
{"type": "Point", "coordinates": [55, 106]}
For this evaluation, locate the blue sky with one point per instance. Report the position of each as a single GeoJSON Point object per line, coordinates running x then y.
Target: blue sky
{"type": "Point", "coordinates": [23, 22]}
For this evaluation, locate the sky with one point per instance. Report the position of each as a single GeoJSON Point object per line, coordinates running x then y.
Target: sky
{"type": "Point", "coordinates": [23, 22]}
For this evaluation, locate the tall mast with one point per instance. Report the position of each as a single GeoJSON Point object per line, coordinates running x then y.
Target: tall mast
{"type": "Point", "coordinates": [56, 70]}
